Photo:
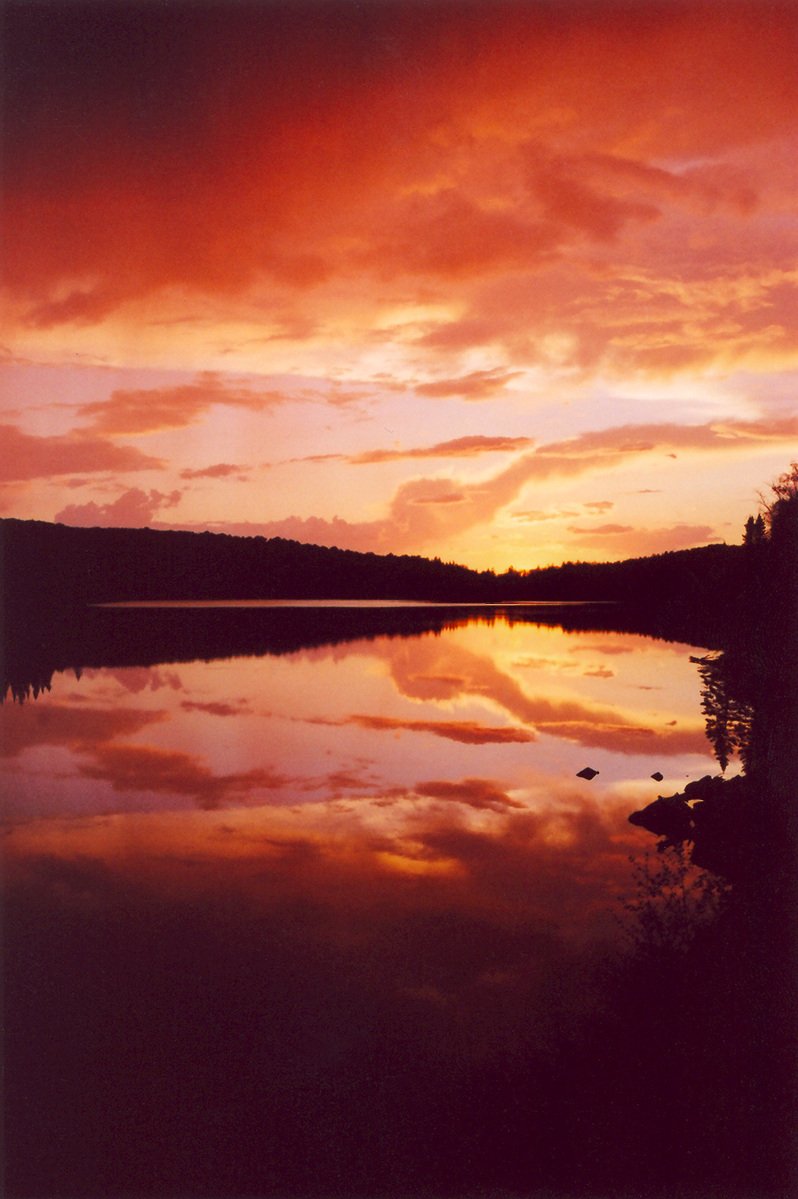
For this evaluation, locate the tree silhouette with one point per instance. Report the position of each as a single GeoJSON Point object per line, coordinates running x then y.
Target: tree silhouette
{"type": "Point", "coordinates": [754, 531]}
{"type": "Point", "coordinates": [781, 506]}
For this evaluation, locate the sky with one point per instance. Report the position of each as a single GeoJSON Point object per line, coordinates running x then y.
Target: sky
{"type": "Point", "coordinates": [505, 284]}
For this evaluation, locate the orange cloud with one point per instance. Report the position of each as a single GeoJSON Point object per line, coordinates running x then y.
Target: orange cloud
{"type": "Point", "coordinates": [214, 708]}
{"type": "Point", "coordinates": [662, 309]}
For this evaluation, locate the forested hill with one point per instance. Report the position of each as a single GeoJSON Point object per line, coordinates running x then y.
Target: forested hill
{"type": "Point", "coordinates": [47, 564]}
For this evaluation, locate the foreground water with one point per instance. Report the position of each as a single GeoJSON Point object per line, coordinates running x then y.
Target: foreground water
{"type": "Point", "coordinates": [343, 920]}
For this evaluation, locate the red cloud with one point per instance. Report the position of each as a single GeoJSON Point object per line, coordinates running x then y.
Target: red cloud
{"type": "Point", "coordinates": [26, 457]}
{"type": "Point", "coordinates": [448, 236]}
{"type": "Point", "coordinates": [389, 159]}
{"type": "Point", "coordinates": [571, 202]}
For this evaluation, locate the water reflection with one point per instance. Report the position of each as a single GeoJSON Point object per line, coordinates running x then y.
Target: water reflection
{"type": "Point", "coordinates": [340, 919]}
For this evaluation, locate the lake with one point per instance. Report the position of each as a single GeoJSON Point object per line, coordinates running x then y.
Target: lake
{"type": "Point", "coordinates": [341, 918]}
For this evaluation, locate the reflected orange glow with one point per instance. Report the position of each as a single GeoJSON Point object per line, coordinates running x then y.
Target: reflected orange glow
{"type": "Point", "coordinates": [266, 775]}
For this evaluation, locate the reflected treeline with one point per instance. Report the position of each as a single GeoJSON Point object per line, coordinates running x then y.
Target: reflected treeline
{"type": "Point", "coordinates": [723, 1000]}
{"type": "Point", "coordinates": [49, 639]}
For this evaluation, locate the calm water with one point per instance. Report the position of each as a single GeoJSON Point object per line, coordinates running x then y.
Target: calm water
{"type": "Point", "coordinates": [335, 921]}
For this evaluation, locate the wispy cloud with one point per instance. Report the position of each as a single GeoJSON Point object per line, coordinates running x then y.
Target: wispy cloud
{"type": "Point", "coordinates": [467, 732]}
{"type": "Point", "coordinates": [458, 447]}
{"type": "Point", "coordinates": [219, 470]}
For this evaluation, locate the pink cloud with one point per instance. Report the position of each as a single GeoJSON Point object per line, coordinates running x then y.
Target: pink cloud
{"type": "Point", "coordinates": [133, 509]}
{"type": "Point", "coordinates": [626, 539]}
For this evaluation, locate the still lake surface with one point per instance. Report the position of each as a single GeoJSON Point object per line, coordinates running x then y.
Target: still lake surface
{"type": "Point", "coordinates": [333, 921]}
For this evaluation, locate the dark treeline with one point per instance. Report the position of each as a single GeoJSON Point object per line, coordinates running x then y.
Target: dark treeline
{"type": "Point", "coordinates": [79, 566]}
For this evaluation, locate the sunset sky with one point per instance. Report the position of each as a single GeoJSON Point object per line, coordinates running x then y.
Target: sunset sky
{"type": "Point", "coordinates": [505, 284]}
